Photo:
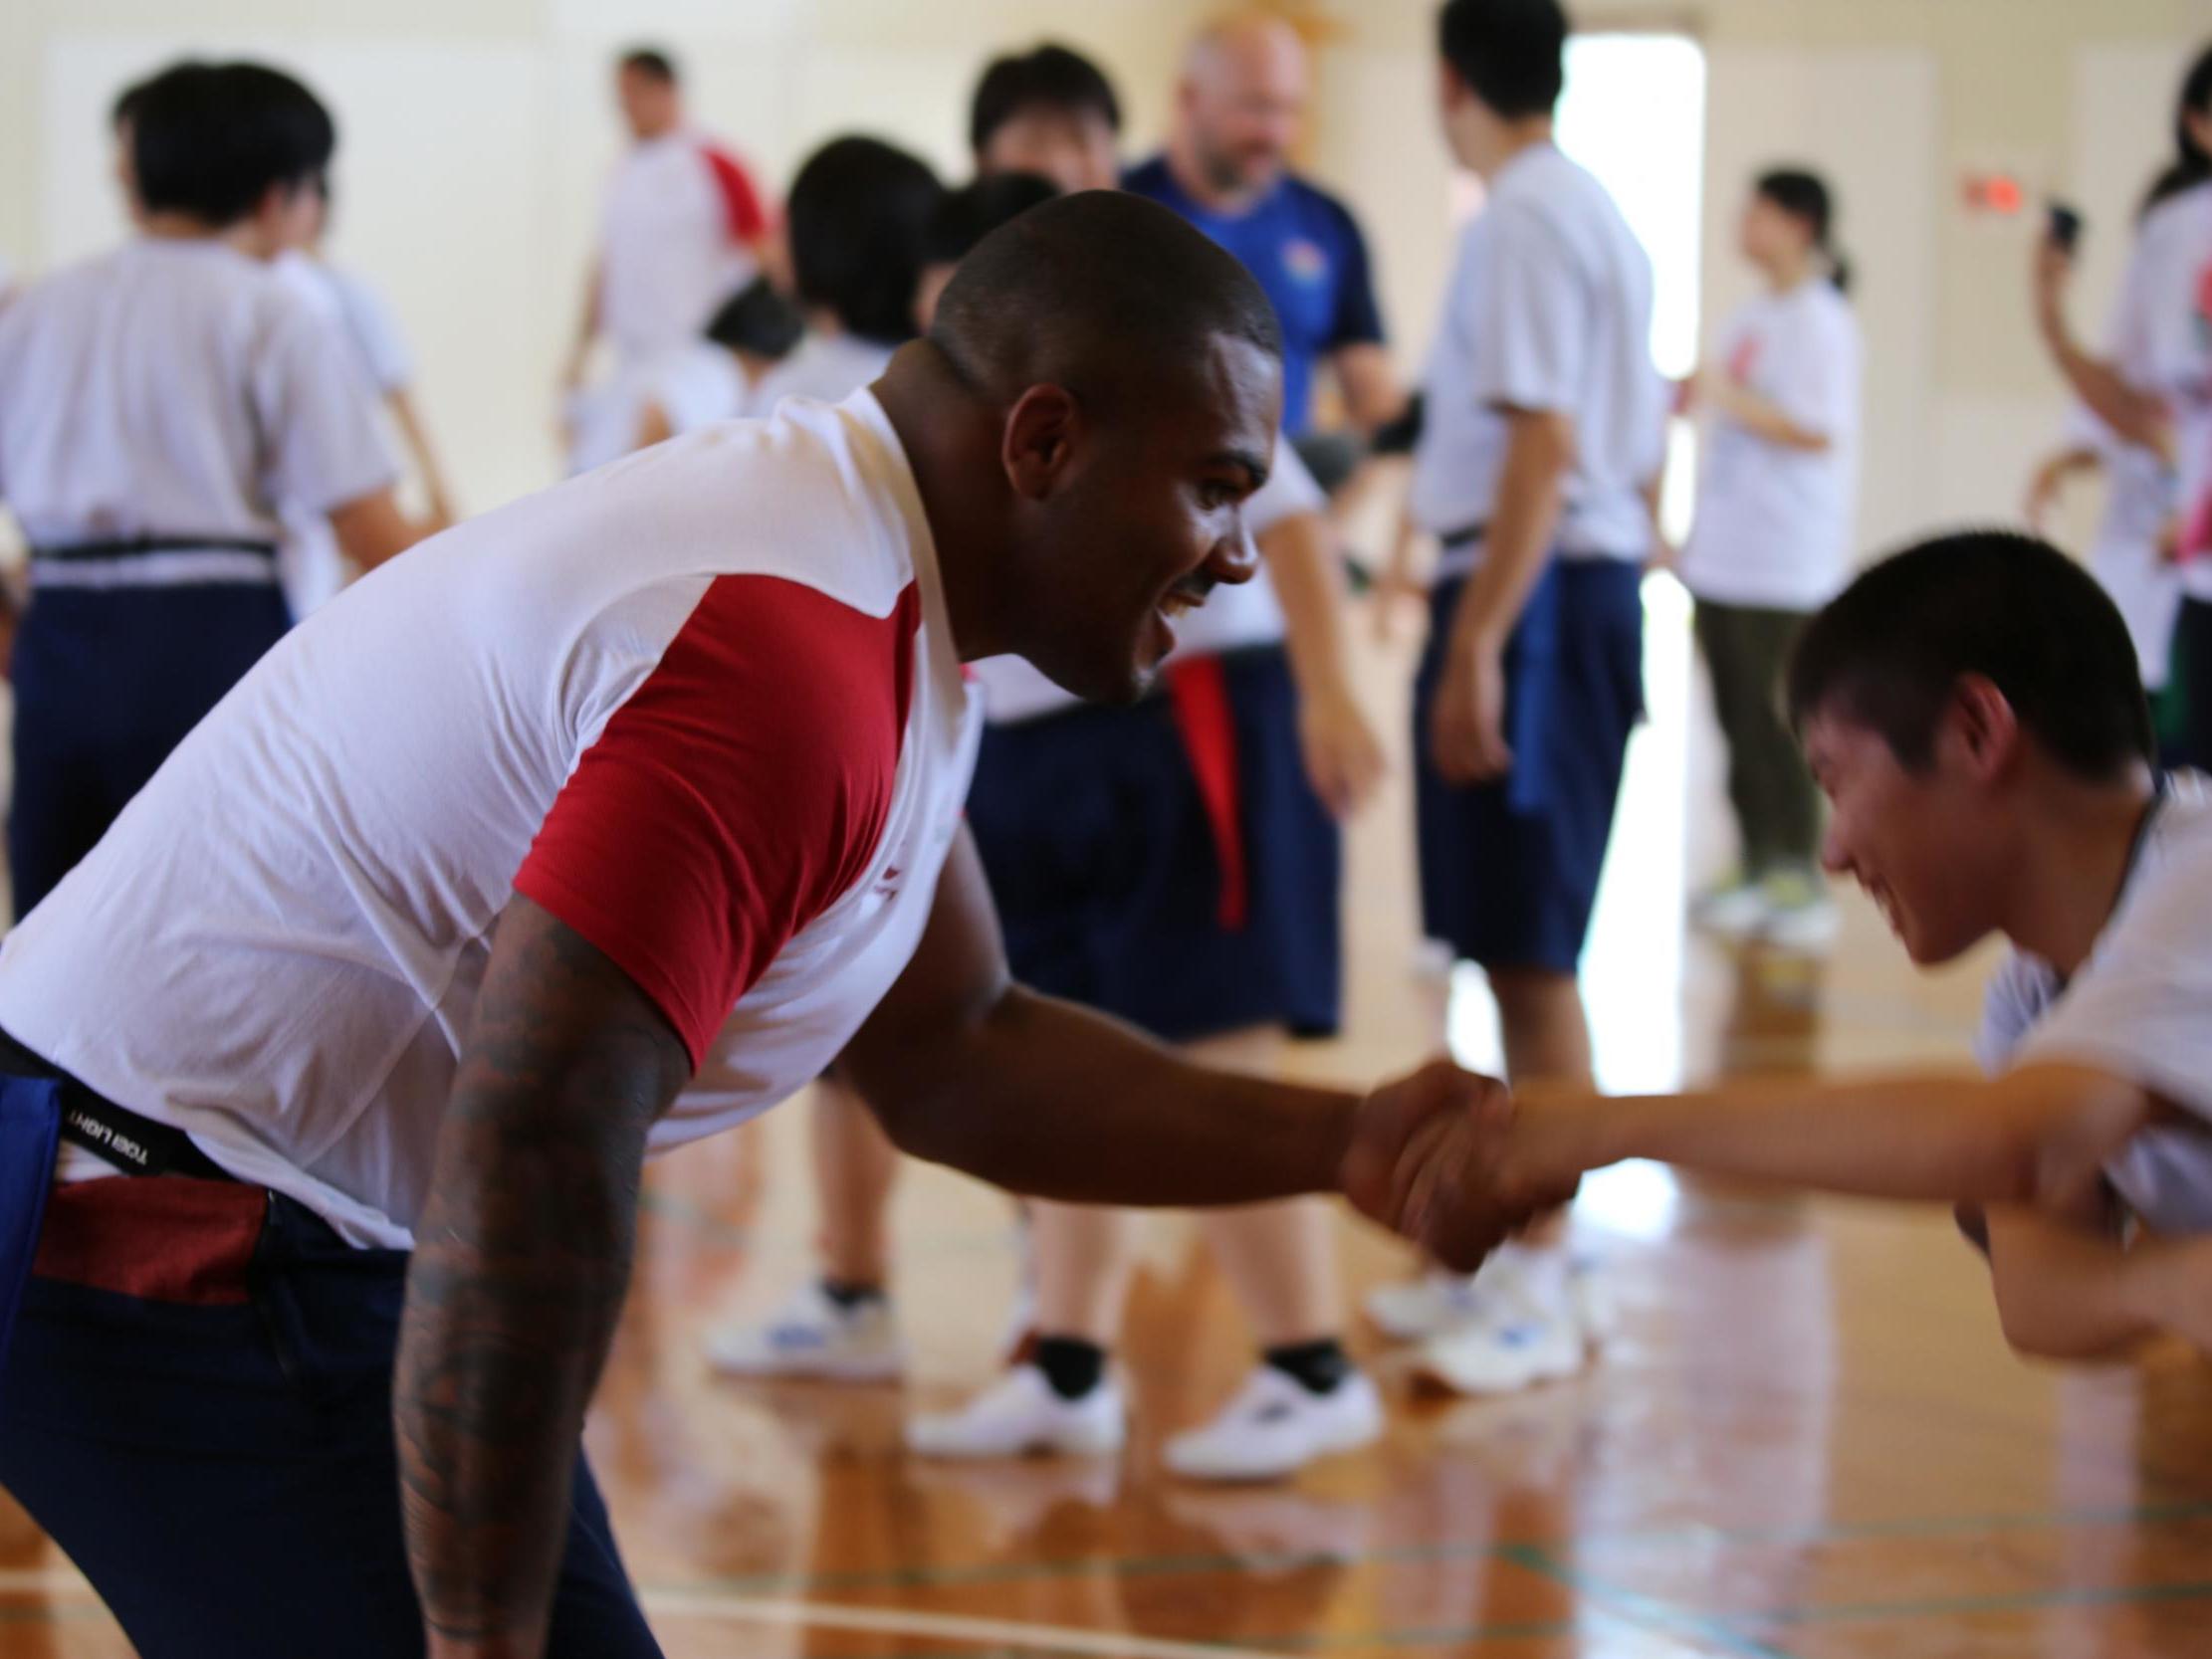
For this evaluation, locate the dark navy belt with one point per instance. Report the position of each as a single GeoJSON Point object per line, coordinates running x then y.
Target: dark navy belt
{"type": "Point", "coordinates": [134, 546]}
{"type": "Point", "coordinates": [134, 1144]}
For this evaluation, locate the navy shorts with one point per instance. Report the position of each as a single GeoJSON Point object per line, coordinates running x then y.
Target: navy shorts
{"type": "Point", "coordinates": [197, 1407]}
{"type": "Point", "coordinates": [108, 681]}
{"type": "Point", "coordinates": [1509, 869]}
{"type": "Point", "coordinates": [1107, 867]}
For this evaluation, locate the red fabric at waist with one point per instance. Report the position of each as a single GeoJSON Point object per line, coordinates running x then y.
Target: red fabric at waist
{"type": "Point", "coordinates": [1199, 687]}
{"type": "Point", "coordinates": [160, 1238]}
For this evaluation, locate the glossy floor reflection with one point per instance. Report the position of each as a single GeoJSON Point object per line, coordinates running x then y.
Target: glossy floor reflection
{"type": "Point", "coordinates": [1808, 1438]}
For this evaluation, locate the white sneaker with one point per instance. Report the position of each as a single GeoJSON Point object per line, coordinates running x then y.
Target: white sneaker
{"type": "Point", "coordinates": [1737, 910]}
{"type": "Point", "coordinates": [1528, 1333]}
{"type": "Point", "coordinates": [1410, 1310]}
{"type": "Point", "coordinates": [1276, 1426]}
{"type": "Point", "coordinates": [1021, 1415]}
{"type": "Point", "coordinates": [812, 1337]}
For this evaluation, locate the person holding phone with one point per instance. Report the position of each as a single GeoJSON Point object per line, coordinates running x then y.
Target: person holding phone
{"type": "Point", "coordinates": [2134, 551]}
{"type": "Point", "coordinates": [2154, 388]}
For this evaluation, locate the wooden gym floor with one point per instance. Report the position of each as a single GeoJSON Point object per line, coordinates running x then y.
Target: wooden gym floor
{"type": "Point", "coordinates": [1807, 1439]}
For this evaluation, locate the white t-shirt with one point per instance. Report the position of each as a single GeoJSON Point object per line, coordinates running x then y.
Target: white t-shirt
{"type": "Point", "coordinates": [1231, 619]}
{"type": "Point", "coordinates": [177, 388]}
{"type": "Point", "coordinates": [695, 385]}
{"type": "Point", "coordinates": [681, 212]}
{"type": "Point", "coordinates": [825, 367]}
{"type": "Point", "coordinates": [368, 325]}
{"type": "Point", "coordinates": [1774, 523]}
{"type": "Point", "coordinates": [2140, 1008]}
{"type": "Point", "coordinates": [702, 704]}
{"type": "Point", "coordinates": [2128, 556]}
{"type": "Point", "coordinates": [1549, 308]}
{"type": "Point", "coordinates": [309, 565]}
{"type": "Point", "coordinates": [2163, 342]}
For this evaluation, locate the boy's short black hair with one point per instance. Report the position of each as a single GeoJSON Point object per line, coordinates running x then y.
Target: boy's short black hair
{"type": "Point", "coordinates": [759, 319]}
{"type": "Point", "coordinates": [1049, 76]}
{"type": "Point", "coordinates": [967, 215]}
{"type": "Point", "coordinates": [1890, 651]}
{"type": "Point", "coordinates": [211, 139]}
{"type": "Point", "coordinates": [858, 216]}
{"type": "Point", "coordinates": [1511, 53]}
{"type": "Point", "coordinates": [652, 63]}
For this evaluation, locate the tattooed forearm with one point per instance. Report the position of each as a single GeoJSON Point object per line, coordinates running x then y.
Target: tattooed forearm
{"type": "Point", "coordinates": [521, 1258]}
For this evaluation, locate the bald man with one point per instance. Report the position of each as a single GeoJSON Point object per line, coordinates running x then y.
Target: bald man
{"type": "Point", "coordinates": [387, 984]}
{"type": "Point", "coordinates": [1239, 111]}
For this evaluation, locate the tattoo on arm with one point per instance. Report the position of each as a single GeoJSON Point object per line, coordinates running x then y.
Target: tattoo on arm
{"type": "Point", "coordinates": [522, 1259]}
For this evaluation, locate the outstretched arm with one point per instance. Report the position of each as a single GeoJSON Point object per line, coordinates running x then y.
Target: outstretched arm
{"type": "Point", "coordinates": [521, 1263]}
{"type": "Point", "coordinates": [2036, 1137]}
{"type": "Point", "coordinates": [1040, 1097]}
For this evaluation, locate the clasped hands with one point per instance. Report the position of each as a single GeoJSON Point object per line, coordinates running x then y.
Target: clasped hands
{"type": "Point", "coordinates": [1447, 1158]}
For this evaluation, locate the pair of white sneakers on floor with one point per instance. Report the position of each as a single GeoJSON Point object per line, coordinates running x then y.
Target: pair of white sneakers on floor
{"type": "Point", "coordinates": [1273, 1427]}
{"type": "Point", "coordinates": [1789, 911]}
{"type": "Point", "coordinates": [1529, 1317]}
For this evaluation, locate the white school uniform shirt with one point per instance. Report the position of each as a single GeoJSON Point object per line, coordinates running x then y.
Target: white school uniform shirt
{"type": "Point", "coordinates": [2163, 344]}
{"type": "Point", "coordinates": [681, 212]}
{"type": "Point", "coordinates": [2128, 556]}
{"type": "Point", "coordinates": [309, 565]}
{"type": "Point", "coordinates": [695, 385]}
{"type": "Point", "coordinates": [1231, 619]}
{"type": "Point", "coordinates": [2140, 1009]}
{"type": "Point", "coordinates": [823, 366]}
{"type": "Point", "coordinates": [175, 388]}
{"type": "Point", "coordinates": [1774, 523]}
{"type": "Point", "coordinates": [1549, 308]}
{"type": "Point", "coordinates": [733, 759]}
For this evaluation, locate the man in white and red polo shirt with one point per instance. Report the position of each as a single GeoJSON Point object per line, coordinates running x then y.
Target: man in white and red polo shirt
{"type": "Point", "coordinates": [359, 1024]}
{"type": "Point", "coordinates": [681, 231]}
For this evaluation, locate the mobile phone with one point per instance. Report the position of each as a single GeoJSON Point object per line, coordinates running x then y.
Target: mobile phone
{"type": "Point", "coordinates": [2066, 228]}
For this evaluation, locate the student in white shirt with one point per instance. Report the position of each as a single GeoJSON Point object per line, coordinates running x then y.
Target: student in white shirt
{"type": "Point", "coordinates": [684, 227]}
{"type": "Point", "coordinates": [2134, 547]}
{"type": "Point", "coordinates": [1772, 540]}
{"type": "Point", "coordinates": [312, 568]}
{"type": "Point", "coordinates": [1544, 426]}
{"type": "Point", "coordinates": [1974, 711]}
{"type": "Point", "coordinates": [158, 405]}
{"type": "Point", "coordinates": [719, 375]}
{"type": "Point", "coordinates": [1175, 866]}
{"type": "Point", "coordinates": [2155, 390]}
{"type": "Point", "coordinates": [857, 225]}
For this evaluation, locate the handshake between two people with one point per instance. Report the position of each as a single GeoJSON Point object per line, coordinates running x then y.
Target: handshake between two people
{"type": "Point", "coordinates": [1447, 1158]}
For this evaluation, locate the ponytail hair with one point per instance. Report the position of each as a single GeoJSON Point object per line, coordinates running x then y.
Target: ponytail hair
{"type": "Point", "coordinates": [2191, 166]}
{"type": "Point", "coordinates": [1804, 195]}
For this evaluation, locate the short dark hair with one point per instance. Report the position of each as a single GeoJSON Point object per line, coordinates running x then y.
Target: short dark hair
{"type": "Point", "coordinates": [1890, 649]}
{"type": "Point", "coordinates": [652, 63]}
{"type": "Point", "coordinates": [967, 215]}
{"type": "Point", "coordinates": [1049, 76]}
{"type": "Point", "coordinates": [759, 319]}
{"type": "Point", "coordinates": [211, 139]}
{"type": "Point", "coordinates": [1511, 53]}
{"type": "Point", "coordinates": [857, 217]}
{"type": "Point", "coordinates": [1093, 288]}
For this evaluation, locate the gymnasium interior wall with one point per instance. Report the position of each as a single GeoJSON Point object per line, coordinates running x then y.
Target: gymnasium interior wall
{"type": "Point", "coordinates": [477, 133]}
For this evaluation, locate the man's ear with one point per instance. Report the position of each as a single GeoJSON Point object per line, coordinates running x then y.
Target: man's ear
{"type": "Point", "coordinates": [1037, 447]}
{"type": "Point", "coordinates": [1981, 728]}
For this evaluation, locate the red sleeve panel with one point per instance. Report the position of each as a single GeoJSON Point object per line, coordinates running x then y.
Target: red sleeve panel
{"type": "Point", "coordinates": [738, 793]}
{"type": "Point", "coordinates": [743, 214]}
